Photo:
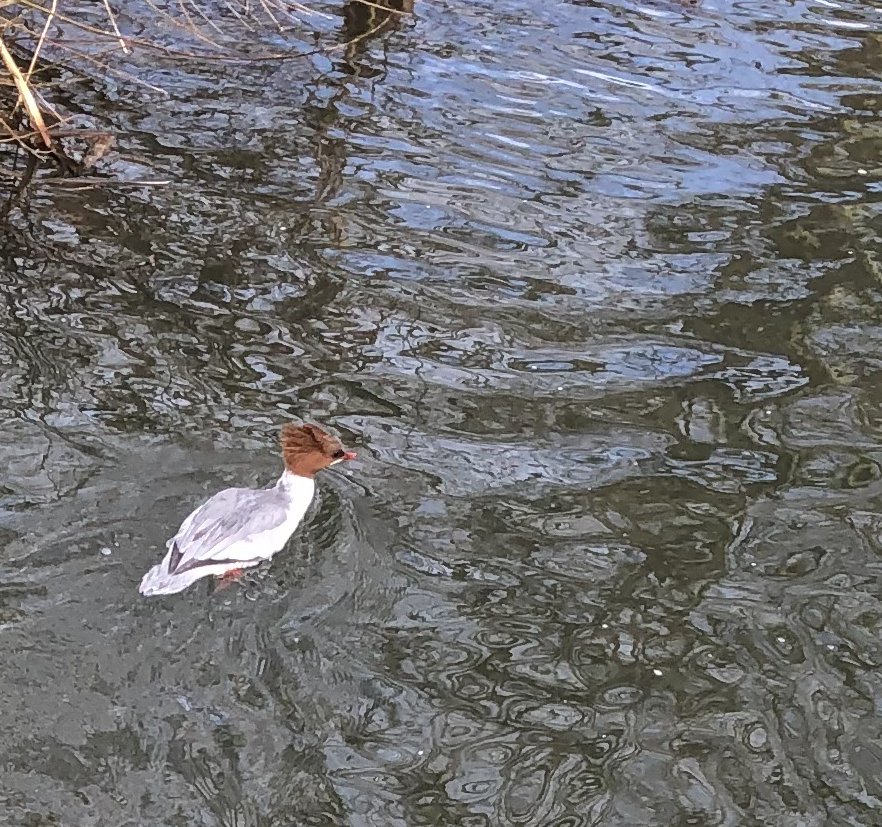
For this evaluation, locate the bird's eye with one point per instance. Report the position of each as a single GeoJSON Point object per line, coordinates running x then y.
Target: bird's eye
{"type": "Point", "coordinates": [338, 454]}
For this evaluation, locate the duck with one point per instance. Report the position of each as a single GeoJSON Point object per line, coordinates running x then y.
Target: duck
{"type": "Point", "coordinates": [239, 528]}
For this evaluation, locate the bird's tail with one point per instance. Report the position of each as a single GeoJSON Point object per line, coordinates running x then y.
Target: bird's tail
{"type": "Point", "coordinates": [159, 581]}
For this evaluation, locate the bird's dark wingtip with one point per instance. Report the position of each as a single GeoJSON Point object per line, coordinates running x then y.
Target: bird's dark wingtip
{"type": "Point", "coordinates": [175, 560]}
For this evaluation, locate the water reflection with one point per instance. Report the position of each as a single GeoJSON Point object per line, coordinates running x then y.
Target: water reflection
{"type": "Point", "coordinates": [594, 289]}
{"type": "Point", "coordinates": [363, 21]}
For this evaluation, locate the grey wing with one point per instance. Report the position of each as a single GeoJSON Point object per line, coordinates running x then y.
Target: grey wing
{"type": "Point", "coordinates": [224, 527]}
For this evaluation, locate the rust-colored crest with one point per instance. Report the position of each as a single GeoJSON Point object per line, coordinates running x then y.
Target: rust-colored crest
{"type": "Point", "coordinates": [307, 449]}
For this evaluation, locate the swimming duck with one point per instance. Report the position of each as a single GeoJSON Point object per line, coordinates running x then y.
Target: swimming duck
{"type": "Point", "coordinates": [241, 527]}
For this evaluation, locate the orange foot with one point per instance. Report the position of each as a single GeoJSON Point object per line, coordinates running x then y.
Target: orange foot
{"type": "Point", "coordinates": [228, 578]}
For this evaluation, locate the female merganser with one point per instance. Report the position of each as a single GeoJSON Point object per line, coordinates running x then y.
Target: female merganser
{"type": "Point", "coordinates": [241, 527]}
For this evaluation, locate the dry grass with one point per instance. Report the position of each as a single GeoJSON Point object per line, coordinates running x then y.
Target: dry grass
{"type": "Point", "coordinates": [93, 40]}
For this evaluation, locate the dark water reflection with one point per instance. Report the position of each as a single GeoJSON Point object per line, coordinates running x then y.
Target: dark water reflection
{"type": "Point", "coordinates": [594, 289]}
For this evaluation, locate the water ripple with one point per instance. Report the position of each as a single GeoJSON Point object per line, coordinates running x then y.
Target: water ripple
{"type": "Point", "coordinates": [593, 290]}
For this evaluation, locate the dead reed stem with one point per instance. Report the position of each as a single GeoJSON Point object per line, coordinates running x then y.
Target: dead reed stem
{"type": "Point", "coordinates": [25, 95]}
{"type": "Point", "coordinates": [112, 17]}
{"type": "Point", "coordinates": [49, 18]}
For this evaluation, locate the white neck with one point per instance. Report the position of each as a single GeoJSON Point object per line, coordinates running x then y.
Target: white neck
{"type": "Point", "coordinates": [297, 487]}
{"type": "Point", "coordinates": [299, 491]}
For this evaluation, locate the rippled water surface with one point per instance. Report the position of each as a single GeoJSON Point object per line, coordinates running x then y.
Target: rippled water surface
{"type": "Point", "coordinates": [595, 290]}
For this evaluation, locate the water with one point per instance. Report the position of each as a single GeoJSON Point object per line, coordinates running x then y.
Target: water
{"type": "Point", "coordinates": [594, 290]}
